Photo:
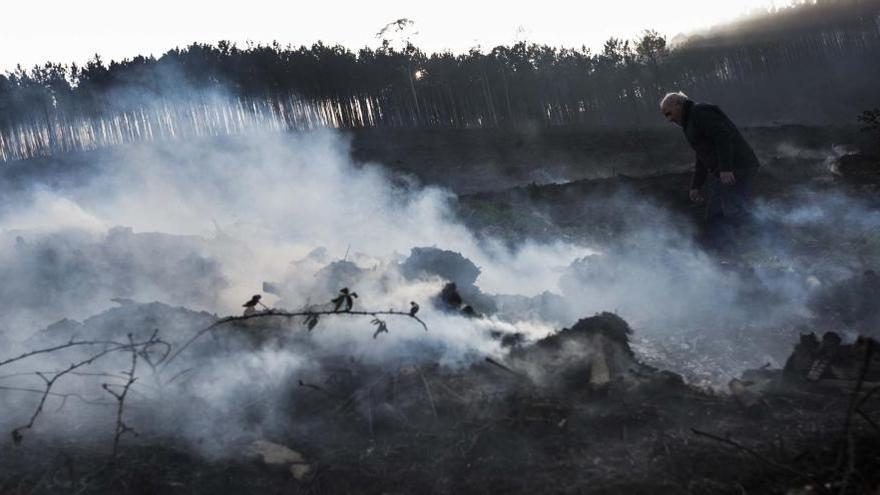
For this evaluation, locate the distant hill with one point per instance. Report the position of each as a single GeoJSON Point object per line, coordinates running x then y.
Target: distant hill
{"type": "Point", "coordinates": [803, 19]}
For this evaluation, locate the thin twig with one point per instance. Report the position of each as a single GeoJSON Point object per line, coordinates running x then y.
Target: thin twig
{"type": "Point", "coordinates": [50, 381]}
{"type": "Point", "coordinates": [56, 394]}
{"type": "Point", "coordinates": [121, 427]}
{"type": "Point", "coordinates": [149, 351]}
{"type": "Point", "coordinates": [72, 343]}
{"type": "Point", "coordinates": [853, 407]}
{"type": "Point", "coordinates": [428, 392]}
{"type": "Point", "coordinates": [287, 314]}
{"type": "Point", "coordinates": [318, 388]}
{"type": "Point", "coordinates": [451, 392]}
{"type": "Point", "coordinates": [868, 419]}
{"type": "Point", "coordinates": [73, 373]}
{"type": "Point", "coordinates": [753, 453]}
{"type": "Point", "coordinates": [16, 433]}
{"type": "Point", "coordinates": [505, 368]}
{"type": "Point", "coordinates": [867, 396]}
{"type": "Point", "coordinates": [175, 377]}
{"type": "Point", "coordinates": [365, 389]}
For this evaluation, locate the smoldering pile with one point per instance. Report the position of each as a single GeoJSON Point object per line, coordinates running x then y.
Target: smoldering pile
{"type": "Point", "coordinates": [575, 401]}
{"type": "Point", "coordinates": [596, 348]}
{"type": "Point", "coordinates": [265, 396]}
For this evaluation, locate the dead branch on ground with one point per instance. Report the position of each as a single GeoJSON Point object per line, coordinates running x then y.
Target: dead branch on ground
{"type": "Point", "coordinates": [50, 381]}
{"type": "Point", "coordinates": [71, 343]}
{"type": "Point", "coordinates": [854, 403]}
{"type": "Point", "coordinates": [756, 455]}
{"type": "Point", "coordinates": [121, 427]}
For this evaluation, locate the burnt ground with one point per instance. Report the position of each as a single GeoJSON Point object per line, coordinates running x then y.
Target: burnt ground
{"type": "Point", "coordinates": [585, 209]}
{"type": "Point", "coordinates": [469, 161]}
{"type": "Point", "coordinates": [367, 429]}
{"type": "Point", "coordinates": [489, 430]}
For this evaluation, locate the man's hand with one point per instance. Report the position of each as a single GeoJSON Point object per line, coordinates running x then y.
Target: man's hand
{"type": "Point", "coordinates": [727, 178]}
{"type": "Point", "coordinates": [695, 196]}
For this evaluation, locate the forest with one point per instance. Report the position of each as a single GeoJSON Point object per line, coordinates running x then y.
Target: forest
{"type": "Point", "coordinates": [774, 68]}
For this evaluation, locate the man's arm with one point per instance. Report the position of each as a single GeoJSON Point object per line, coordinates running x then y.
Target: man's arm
{"type": "Point", "coordinates": [699, 177]}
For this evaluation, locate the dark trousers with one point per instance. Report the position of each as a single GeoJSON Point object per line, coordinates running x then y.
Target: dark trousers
{"type": "Point", "coordinates": [727, 209]}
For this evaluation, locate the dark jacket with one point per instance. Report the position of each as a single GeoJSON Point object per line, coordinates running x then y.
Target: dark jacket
{"type": "Point", "coordinates": [718, 143]}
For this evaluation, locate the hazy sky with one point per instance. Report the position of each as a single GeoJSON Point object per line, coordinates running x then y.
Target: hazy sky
{"type": "Point", "coordinates": [34, 31]}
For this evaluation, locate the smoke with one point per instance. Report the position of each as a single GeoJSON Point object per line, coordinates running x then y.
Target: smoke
{"type": "Point", "coordinates": [253, 205]}
{"type": "Point", "coordinates": [201, 225]}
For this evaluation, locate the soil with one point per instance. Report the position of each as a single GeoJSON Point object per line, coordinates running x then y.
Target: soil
{"type": "Point", "coordinates": [491, 430]}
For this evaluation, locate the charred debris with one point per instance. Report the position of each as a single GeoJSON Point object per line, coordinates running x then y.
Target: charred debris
{"type": "Point", "coordinates": [574, 411]}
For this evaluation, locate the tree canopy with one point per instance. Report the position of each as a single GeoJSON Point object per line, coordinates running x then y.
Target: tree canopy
{"type": "Point", "coordinates": [812, 63]}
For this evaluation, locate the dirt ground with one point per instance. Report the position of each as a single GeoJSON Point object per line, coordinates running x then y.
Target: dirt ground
{"type": "Point", "coordinates": [487, 429]}
{"type": "Point", "coordinates": [498, 428]}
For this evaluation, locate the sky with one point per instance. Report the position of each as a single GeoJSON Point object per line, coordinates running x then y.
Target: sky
{"type": "Point", "coordinates": [36, 31]}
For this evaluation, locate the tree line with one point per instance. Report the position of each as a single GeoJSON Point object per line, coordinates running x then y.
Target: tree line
{"type": "Point", "coordinates": [814, 62]}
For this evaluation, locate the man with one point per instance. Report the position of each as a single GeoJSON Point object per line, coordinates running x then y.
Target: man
{"type": "Point", "coordinates": [725, 165]}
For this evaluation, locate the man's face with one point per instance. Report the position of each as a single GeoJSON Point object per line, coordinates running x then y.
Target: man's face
{"type": "Point", "coordinates": [672, 112]}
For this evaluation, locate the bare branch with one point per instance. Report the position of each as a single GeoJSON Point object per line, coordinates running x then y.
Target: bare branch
{"type": "Point", "coordinates": [287, 314]}
{"type": "Point", "coordinates": [853, 408]}
{"type": "Point", "coordinates": [72, 343]}
{"type": "Point", "coordinates": [428, 393]}
{"type": "Point", "coordinates": [754, 454]}
{"type": "Point", "coordinates": [56, 394]}
{"type": "Point", "coordinates": [50, 381]}
{"type": "Point", "coordinates": [16, 433]}
{"type": "Point", "coordinates": [121, 427]}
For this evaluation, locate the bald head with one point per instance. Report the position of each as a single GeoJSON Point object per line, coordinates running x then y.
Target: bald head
{"type": "Point", "coordinates": [672, 106]}
{"type": "Point", "coordinates": [673, 98]}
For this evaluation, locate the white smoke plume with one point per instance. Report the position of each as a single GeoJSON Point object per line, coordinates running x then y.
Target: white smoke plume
{"type": "Point", "coordinates": [203, 224]}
